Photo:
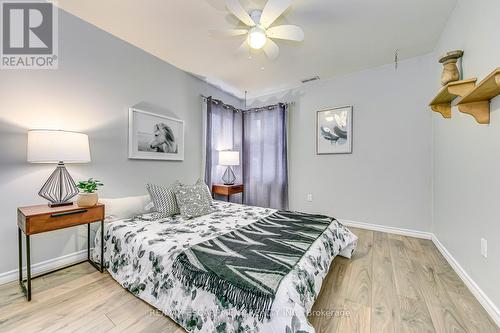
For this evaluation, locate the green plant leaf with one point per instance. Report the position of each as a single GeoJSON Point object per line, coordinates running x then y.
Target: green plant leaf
{"type": "Point", "coordinates": [90, 185]}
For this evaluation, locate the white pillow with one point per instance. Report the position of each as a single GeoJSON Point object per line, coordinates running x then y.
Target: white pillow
{"type": "Point", "coordinates": [127, 207]}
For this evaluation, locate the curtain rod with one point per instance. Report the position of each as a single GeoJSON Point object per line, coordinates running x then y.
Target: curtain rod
{"type": "Point", "coordinates": [267, 107]}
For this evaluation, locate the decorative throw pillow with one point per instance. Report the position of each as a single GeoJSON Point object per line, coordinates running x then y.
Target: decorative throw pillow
{"type": "Point", "coordinates": [208, 194]}
{"type": "Point", "coordinates": [164, 199]}
{"type": "Point", "coordinates": [192, 200]}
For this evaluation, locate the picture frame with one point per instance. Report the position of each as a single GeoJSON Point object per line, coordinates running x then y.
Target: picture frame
{"type": "Point", "coordinates": [154, 136]}
{"type": "Point", "coordinates": [334, 130]}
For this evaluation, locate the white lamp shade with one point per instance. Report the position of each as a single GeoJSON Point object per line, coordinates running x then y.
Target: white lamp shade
{"type": "Point", "coordinates": [228, 157]}
{"type": "Point", "coordinates": [53, 146]}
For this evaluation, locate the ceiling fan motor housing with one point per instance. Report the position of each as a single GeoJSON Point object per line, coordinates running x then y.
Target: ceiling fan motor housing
{"type": "Point", "coordinates": [255, 15]}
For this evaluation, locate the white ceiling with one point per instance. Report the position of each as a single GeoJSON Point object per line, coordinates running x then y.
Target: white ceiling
{"type": "Point", "coordinates": [341, 36]}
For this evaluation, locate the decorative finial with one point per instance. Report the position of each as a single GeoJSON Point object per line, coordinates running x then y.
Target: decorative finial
{"type": "Point", "coordinates": [450, 70]}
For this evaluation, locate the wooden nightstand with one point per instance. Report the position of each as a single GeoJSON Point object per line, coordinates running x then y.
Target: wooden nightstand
{"type": "Point", "coordinates": [228, 190]}
{"type": "Point", "coordinates": [41, 218]}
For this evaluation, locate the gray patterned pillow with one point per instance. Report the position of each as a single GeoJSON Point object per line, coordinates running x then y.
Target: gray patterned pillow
{"type": "Point", "coordinates": [192, 200]}
{"type": "Point", "coordinates": [164, 199]}
{"type": "Point", "coordinates": [208, 194]}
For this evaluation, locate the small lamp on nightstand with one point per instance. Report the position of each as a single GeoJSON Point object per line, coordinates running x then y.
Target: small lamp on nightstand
{"type": "Point", "coordinates": [229, 158]}
{"type": "Point", "coordinates": [54, 146]}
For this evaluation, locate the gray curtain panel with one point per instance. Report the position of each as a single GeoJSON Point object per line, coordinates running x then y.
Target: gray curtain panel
{"type": "Point", "coordinates": [265, 166]}
{"type": "Point", "coordinates": [224, 132]}
{"type": "Point", "coordinates": [260, 135]}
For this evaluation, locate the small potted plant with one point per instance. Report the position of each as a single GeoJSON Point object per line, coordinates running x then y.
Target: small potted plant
{"type": "Point", "coordinates": [88, 192]}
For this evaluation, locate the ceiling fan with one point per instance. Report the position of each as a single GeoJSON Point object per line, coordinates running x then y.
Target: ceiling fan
{"type": "Point", "coordinates": [260, 33]}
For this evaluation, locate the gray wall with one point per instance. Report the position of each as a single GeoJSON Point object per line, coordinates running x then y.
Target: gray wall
{"type": "Point", "coordinates": [387, 178]}
{"type": "Point", "coordinates": [467, 155]}
{"type": "Point", "coordinates": [98, 79]}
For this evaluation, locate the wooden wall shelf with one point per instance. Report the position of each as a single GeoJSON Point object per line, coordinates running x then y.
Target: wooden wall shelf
{"type": "Point", "coordinates": [477, 101]}
{"type": "Point", "coordinates": [442, 102]}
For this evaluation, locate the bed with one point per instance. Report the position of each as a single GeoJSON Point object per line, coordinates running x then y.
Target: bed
{"type": "Point", "coordinates": [140, 253]}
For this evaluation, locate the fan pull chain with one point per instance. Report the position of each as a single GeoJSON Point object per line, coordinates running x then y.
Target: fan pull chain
{"type": "Point", "coordinates": [396, 59]}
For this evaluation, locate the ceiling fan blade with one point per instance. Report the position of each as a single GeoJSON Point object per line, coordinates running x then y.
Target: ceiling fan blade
{"type": "Point", "coordinates": [289, 32]}
{"type": "Point", "coordinates": [228, 32]}
{"type": "Point", "coordinates": [244, 49]}
{"type": "Point", "coordinates": [235, 7]}
{"type": "Point", "coordinates": [271, 49]}
{"type": "Point", "coordinates": [272, 10]}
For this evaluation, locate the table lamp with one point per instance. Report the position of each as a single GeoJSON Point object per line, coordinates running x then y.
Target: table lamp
{"type": "Point", "coordinates": [55, 146]}
{"type": "Point", "coordinates": [229, 158]}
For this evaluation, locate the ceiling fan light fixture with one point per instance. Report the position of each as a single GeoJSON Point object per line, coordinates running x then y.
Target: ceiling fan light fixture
{"type": "Point", "coordinates": [262, 32]}
{"type": "Point", "coordinates": [257, 38]}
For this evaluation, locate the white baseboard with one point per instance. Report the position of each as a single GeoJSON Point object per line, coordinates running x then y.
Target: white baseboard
{"type": "Point", "coordinates": [482, 298]}
{"type": "Point", "coordinates": [389, 230]}
{"type": "Point", "coordinates": [45, 266]}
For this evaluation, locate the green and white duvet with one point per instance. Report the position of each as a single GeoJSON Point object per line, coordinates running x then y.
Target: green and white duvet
{"type": "Point", "coordinates": [140, 252]}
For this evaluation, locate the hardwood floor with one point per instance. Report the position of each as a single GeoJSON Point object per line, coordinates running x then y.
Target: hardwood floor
{"type": "Point", "coordinates": [397, 284]}
{"type": "Point", "coordinates": [392, 284]}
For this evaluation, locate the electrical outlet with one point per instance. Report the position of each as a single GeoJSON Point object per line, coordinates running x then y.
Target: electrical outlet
{"type": "Point", "coordinates": [310, 197]}
{"type": "Point", "coordinates": [484, 247]}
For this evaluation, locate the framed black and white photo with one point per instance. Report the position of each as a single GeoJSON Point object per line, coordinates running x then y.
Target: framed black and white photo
{"type": "Point", "coordinates": [155, 137]}
{"type": "Point", "coordinates": [334, 131]}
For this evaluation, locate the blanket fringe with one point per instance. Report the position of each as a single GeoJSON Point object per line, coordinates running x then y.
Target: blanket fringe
{"type": "Point", "coordinates": [255, 302]}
